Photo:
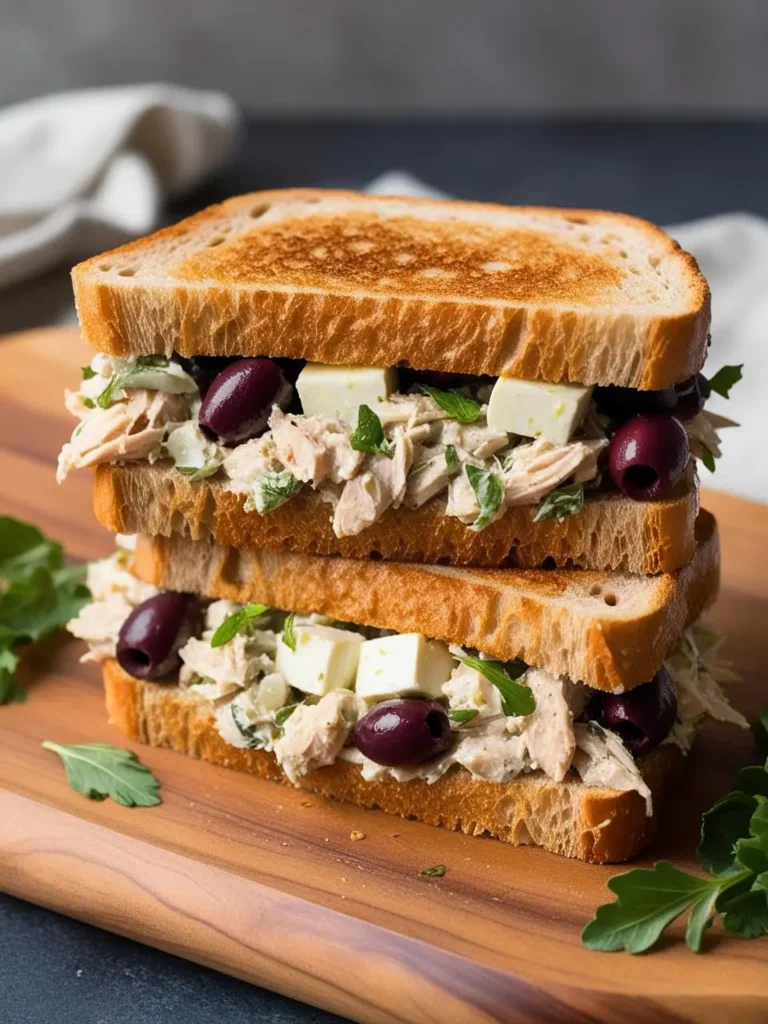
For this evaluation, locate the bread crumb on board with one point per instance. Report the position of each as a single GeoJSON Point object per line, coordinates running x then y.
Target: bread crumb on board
{"type": "Point", "coordinates": [356, 834]}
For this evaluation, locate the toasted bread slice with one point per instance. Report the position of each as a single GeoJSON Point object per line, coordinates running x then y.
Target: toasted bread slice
{"type": "Point", "coordinates": [569, 818]}
{"type": "Point", "coordinates": [345, 278]}
{"type": "Point", "coordinates": [612, 631]}
{"type": "Point", "coordinates": [610, 533]}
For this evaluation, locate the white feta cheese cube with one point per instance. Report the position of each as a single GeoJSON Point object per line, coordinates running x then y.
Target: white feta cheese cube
{"type": "Point", "coordinates": [534, 408]}
{"type": "Point", "coordinates": [337, 392]}
{"type": "Point", "coordinates": [325, 659]}
{"type": "Point", "coordinates": [401, 664]}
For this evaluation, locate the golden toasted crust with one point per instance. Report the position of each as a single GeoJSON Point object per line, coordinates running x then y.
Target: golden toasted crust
{"type": "Point", "coordinates": [611, 532]}
{"type": "Point", "coordinates": [611, 631]}
{"type": "Point", "coordinates": [569, 818]}
{"type": "Point", "coordinates": [345, 278]}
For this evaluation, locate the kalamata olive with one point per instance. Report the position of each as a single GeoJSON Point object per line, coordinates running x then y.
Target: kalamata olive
{"type": "Point", "coordinates": [203, 369]}
{"type": "Point", "coordinates": [643, 717]}
{"type": "Point", "coordinates": [691, 396]}
{"type": "Point", "coordinates": [623, 403]}
{"type": "Point", "coordinates": [402, 732]}
{"type": "Point", "coordinates": [239, 401]}
{"type": "Point", "coordinates": [648, 455]}
{"type": "Point", "coordinates": [150, 638]}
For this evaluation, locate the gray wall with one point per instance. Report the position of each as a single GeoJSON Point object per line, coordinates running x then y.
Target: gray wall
{"type": "Point", "coordinates": [402, 55]}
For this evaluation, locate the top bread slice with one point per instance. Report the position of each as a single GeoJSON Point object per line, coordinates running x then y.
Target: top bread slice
{"type": "Point", "coordinates": [352, 279]}
{"type": "Point", "coordinates": [609, 630]}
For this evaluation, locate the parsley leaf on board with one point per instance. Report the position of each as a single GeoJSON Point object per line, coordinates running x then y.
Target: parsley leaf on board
{"type": "Point", "coordinates": [236, 622]}
{"type": "Point", "coordinates": [733, 849]}
{"type": "Point", "coordinates": [457, 406]}
{"type": "Point", "coordinates": [289, 633]}
{"type": "Point", "coordinates": [272, 490]}
{"type": "Point", "coordinates": [434, 872]}
{"type": "Point", "coordinates": [516, 699]}
{"type": "Point", "coordinates": [725, 378]}
{"type": "Point", "coordinates": [489, 492]}
{"type": "Point", "coordinates": [368, 435]}
{"type": "Point", "coordinates": [565, 501]}
{"type": "Point", "coordinates": [38, 595]}
{"type": "Point", "coordinates": [99, 770]}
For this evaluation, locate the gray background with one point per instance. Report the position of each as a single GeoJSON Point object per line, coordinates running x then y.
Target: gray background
{"type": "Point", "coordinates": [395, 56]}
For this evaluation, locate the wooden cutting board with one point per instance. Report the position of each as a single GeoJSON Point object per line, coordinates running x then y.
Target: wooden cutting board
{"type": "Point", "coordinates": [266, 883]}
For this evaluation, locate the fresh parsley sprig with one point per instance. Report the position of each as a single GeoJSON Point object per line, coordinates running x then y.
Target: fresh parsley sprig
{"type": "Point", "coordinates": [454, 403]}
{"type": "Point", "coordinates": [565, 501]}
{"type": "Point", "coordinates": [38, 595]}
{"type": "Point", "coordinates": [516, 699]}
{"type": "Point", "coordinates": [237, 622]}
{"type": "Point", "coordinates": [489, 492]}
{"type": "Point", "coordinates": [368, 435]}
{"type": "Point", "coordinates": [734, 852]}
{"type": "Point", "coordinates": [99, 770]}
{"type": "Point", "coordinates": [722, 382]}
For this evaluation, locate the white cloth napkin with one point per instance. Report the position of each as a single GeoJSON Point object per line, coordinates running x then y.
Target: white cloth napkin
{"type": "Point", "coordinates": [732, 251]}
{"type": "Point", "coordinates": [81, 172]}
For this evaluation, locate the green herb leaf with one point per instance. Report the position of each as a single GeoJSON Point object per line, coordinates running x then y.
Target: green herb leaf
{"type": "Point", "coordinates": [451, 458]}
{"type": "Point", "coordinates": [722, 826]}
{"type": "Point", "coordinates": [434, 872]}
{"type": "Point", "coordinates": [565, 501]}
{"type": "Point", "coordinates": [702, 918]}
{"type": "Point", "coordinates": [248, 732]}
{"type": "Point", "coordinates": [88, 373]}
{"type": "Point", "coordinates": [368, 435]}
{"type": "Point", "coordinates": [516, 699]}
{"type": "Point", "coordinates": [456, 405]}
{"type": "Point", "coordinates": [153, 372]}
{"type": "Point", "coordinates": [88, 403]}
{"type": "Point", "coordinates": [649, 899]}
{"type": "Point", "coordinates": [746, 913]}
{"type": "Point", "coordinates": [237, 622]}
{"type": "Point", "coordinates": [760, 730]}
{"type": "Point", "coordinates": [725, 378]}
{"type": "Point", "coordinates": [38, 595]}
{"type": "Point", "coordinates": [489, 492]}
{"type": "Point", "coordinates": [272, 490]}
{"type": "Point", "coordinates": [462, 715]}
{"type": "Point", "coordinates": [194, 473]}
{"type": "Point", "coordinates": [289, 634]}
{"type": "Point", "coordinates": [707, 458]}
{"type": "Point", "coordinates": [282, 715]}
{"type": "Point", "coordinates": [98, 770]}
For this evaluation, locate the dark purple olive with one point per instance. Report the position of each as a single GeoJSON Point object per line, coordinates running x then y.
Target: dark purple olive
{"type": "Point", "coordinates": [691, 396]}
{"type": "Point", "coordinates": [402, 732]}
{"type": "Point", "coordinates": [239, 401]}
{"type": "Point", "coordinates": [150, 638]}
{"type": "Point", "coordinates": [648, 455]}
{"type": "Point", "coordinates": [623, 403]}
{"type": "Point", "coordinates": [203, 369]}
{"type": "Point", "coordinates": [643, 717]}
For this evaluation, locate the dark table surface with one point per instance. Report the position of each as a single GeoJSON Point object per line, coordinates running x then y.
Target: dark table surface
{"type": "Point", "coordinates": [54, 969]}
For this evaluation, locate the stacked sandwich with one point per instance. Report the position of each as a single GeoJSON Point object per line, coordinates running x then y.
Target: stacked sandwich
{"type": "Point", "coordinates": [407, 506]}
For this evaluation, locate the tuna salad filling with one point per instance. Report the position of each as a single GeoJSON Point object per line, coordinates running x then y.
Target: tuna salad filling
{"type": "Point", "coordinates": [311, 690]}
{"type": "Point", "coordinates": [367, 439]}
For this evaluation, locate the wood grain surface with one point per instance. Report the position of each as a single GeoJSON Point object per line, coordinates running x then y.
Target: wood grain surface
{"type": "Point", "coordinates": [266, 883]}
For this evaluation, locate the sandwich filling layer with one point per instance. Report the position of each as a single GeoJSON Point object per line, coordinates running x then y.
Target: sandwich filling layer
{"type": "Point", "coordinates": [311, 690]}
{"type": "Point", "coordinates": [368, 439]}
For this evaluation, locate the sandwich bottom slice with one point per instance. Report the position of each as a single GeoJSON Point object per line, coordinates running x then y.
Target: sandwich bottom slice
{"type": "Point", "coordinates": [415, 726]}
